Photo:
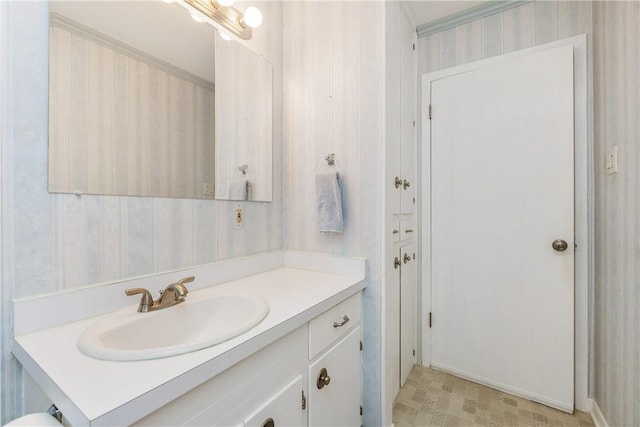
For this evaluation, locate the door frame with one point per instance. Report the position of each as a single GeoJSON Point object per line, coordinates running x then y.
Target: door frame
{"type": "Point", "coordinates": [584, 235]}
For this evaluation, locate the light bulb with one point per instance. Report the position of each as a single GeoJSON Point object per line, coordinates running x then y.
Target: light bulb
{"type": "Point", "coordinates": [225, 36]}
{"type": "Point", "coordinates": [196, 17]}
{"type": "Point", "coordinates": [225, 3]}
{"type": "Point", "coordinates": [252, 17]}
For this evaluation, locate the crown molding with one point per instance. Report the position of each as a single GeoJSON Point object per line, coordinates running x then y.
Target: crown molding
{"type": "Point", "coordinates": [466, 16]}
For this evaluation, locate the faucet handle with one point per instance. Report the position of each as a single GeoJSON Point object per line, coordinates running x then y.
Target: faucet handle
{"type": "Point", "coordinates": [145, 302]}
{"type": "Point", "coordinates": [184, 280]}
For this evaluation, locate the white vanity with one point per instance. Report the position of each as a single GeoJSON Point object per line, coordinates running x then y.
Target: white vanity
{"type": "Point", "coordinates": [300, 366]}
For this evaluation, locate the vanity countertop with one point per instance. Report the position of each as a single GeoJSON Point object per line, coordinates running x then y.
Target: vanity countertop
{"type": "Point", "coordinates": [98, 392]}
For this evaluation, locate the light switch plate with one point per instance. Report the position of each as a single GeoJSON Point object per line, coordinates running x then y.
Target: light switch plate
{"type": "Point", "coordinates": [612, 160]}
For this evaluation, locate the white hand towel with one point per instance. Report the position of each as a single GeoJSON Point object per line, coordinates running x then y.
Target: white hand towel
{"type": "Point", "coordinates": [329, 201]}
{"type": "Point", "coordinates": [238, 190]}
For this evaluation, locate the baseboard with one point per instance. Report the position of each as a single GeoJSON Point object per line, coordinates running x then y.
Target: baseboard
{"type": "Point", "coordinates": [584, 405]}
{"type": "Point", "coordinates": [596, 415]}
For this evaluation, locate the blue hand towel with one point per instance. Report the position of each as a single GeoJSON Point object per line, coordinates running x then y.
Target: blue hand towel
{"type": "Point", "coordinates": [329, 202]}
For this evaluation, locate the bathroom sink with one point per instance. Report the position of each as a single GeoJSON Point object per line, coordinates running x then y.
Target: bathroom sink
{"type": "Point", "coordinates": [199, 322]}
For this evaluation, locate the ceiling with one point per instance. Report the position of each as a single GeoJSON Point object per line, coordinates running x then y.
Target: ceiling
{"type": "Point", "coordinates": [424, 11]}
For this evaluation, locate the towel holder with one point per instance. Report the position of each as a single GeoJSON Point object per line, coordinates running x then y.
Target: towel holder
{"type": "Point", "coordinates": [330, 159]}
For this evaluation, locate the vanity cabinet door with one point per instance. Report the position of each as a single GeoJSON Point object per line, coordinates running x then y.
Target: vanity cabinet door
{"type": "Point", "coordinates": [283, 409]}
{"type": "Point", "coordinates": [335, 384]}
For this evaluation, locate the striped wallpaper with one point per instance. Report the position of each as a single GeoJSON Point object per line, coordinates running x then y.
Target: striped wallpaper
{"type": "Point", "coordinates": [333, 73]}
{"type": "Point", "coordinates": [518, 28]}
{"type": "Point", "coordinates": [244, 125]}
{"type": "Point", "coordinates": [616, 59]}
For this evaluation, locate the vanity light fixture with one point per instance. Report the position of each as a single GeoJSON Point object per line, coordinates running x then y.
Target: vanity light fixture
{"type": "Point", "coordinates": [252, 17]}
{"type": "Point", "coordinates": [223, 13]}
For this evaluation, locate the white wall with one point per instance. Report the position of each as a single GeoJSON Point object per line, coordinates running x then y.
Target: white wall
{"type": "Point", "coordinates": [52, 242]}
{"type": "Point", "coordinates": [334, 71]}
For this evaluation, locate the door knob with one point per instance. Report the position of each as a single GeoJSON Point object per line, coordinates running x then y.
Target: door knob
{"type": "Point", "coordinates": [323, 379]}
{"type": "Point", "coordinates": [406, 258]}
{"type": "Point", "coordinates": [406, 184]}
{"type": "Point", "coordinates": [398, 182]}
{"type": "Point", "coordinates": [560, 245]}
{"type": "Point", "coordinates": [396, 263]}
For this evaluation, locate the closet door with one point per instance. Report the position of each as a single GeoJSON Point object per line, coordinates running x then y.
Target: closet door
{"type": "Point", "coordinates": [408, 148]}
{"type": "Point", "coordinates": [502, 206]}
{"type": "Point", "coordinates": [408, 308]}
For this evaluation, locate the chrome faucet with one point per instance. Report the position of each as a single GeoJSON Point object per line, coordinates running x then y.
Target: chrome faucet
{"type": "Point", "coordinates": [173, 294]}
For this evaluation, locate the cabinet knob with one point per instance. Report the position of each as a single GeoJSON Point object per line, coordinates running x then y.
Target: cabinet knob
{"type": "Point", "coordinates": [406, 258]}
{"type": "Point", "coordinates": [408, 230]}
{"type": "Point", "coordinates": [406, 184]}
{"type": "Point", "coordinates": [269, 423]}
{"type": "Point", "coordinates": [323, 379]}
{"type": "Point", "coordinates": [398, 182]}
{"type": "Point", "coordinates": [395, 231]}
{"type": "Point", "coordinates": [396, 263]}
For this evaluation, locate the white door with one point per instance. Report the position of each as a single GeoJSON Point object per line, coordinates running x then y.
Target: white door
{"type": "Point", "coordinates": [502, 188]}
{"type": "Point", "coordinates": [408, 302]}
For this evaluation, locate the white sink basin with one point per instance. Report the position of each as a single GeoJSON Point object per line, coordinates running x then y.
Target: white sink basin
{"type": "Point", "coordinates": [199, 322]}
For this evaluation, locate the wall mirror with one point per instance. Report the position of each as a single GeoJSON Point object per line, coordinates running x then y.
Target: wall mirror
{"type": "Point", "coordinates": [144, 101]}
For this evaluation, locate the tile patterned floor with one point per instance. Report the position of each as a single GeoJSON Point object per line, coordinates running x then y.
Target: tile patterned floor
{"type": "Point", "coordinates": [434, 398]}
